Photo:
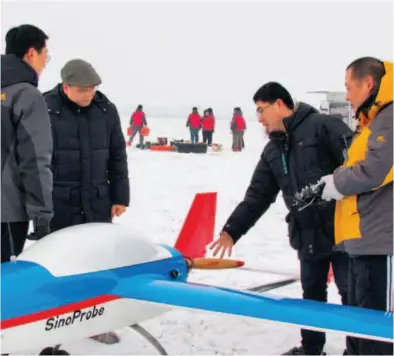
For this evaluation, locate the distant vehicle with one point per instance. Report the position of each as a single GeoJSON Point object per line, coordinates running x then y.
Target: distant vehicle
{"type": "Point", "coordinates": [335, 104]}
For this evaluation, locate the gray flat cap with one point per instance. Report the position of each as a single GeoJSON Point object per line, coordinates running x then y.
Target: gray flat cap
{"type": "Point", "coordinates": [80, 73]}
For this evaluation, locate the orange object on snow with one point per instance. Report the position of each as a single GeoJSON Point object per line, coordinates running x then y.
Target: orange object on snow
{"type": "Point", "coordinates": [161, 148]}
{"type": "Point", "coordinates": [145, 131]}
{"type": "Point", "coordinates": [129, 131]}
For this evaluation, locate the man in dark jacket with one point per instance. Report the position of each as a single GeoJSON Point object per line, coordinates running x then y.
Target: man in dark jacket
{"type": "Point", "coordinates": [91, 182]}
{"type": "Point", "coordinates": [304, 146]}
{"type": "Point", "coordinates": [26, 141]}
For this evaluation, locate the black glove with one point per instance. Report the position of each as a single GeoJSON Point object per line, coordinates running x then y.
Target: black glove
{"type": "Point", "coordinates": [41, 229]}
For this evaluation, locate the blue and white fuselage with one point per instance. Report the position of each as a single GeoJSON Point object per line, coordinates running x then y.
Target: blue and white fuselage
{"type": "Point", "coordinates": [93, 278]}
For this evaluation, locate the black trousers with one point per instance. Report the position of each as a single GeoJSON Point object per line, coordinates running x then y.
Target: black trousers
{"type": "Point", "coordinates": [314, 276]}
{"type": "Point", "coordinates": [14, 242]}
{"type": "Point", "coordinates": [207, 137]}
{"type": "Point", "coordinates": [370, 286]}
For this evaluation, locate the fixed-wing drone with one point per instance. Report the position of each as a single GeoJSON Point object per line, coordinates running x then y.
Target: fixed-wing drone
{"type": "Point", "coordinates": [93, 278]}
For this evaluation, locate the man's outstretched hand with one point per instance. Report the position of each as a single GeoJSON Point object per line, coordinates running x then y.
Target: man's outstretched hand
{"type": "Point", "coordinates": [224, 244]}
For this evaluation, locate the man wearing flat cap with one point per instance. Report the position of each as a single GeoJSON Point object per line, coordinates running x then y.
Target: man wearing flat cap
{"type": "Point", "coordinates": [89, 162]}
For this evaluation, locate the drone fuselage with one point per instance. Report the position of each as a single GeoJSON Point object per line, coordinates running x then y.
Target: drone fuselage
{"type": "Point", "coordinates": [53, 295]}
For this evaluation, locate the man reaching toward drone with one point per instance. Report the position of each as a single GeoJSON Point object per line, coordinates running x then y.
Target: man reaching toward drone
{"type": "Point", "coordinates": [304, 146]}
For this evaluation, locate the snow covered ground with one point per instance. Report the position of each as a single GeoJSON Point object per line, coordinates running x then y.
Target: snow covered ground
{"type": "Point", "coordinates": [163, 185]}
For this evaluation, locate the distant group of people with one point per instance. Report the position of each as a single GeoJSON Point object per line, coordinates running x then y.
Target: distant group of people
{"type": "Point", "coordinates": [195, 122]}
{"type": "Point", "coordinates": [64, 163]}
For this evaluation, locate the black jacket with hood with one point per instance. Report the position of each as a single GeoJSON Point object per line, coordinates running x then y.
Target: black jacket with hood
{"type": "Point", "coordinates": [313, 146]}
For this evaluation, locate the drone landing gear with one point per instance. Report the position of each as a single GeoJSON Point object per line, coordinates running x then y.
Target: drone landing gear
{"type": "Point", "coordinates": [53, 351]}
{"type": "Point", "coordinates": [150, 338]}
{"type": "Point", "coordinates": [137, 328]}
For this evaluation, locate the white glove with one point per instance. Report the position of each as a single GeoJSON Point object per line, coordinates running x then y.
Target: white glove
{"type": "Point", "coordinates": [330, 191]}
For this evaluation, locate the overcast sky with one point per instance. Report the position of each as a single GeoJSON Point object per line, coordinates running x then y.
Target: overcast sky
{"type": "Point", "coordinates": [173, 55]}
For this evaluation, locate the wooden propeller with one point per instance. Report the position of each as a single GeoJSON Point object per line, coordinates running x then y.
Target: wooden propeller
{"type": "Point", "coordinates": [212, 263]}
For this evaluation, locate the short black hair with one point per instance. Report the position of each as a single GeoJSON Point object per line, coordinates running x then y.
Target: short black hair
{"type": "Point", "coordinates": [367, 66]}
{"type": "Point", "coordinates": [20, 39]}
{"type": "Point", "coordinates": [272, 91]}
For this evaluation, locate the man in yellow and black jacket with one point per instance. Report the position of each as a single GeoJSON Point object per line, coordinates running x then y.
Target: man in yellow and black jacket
{"type": "Point", "coordinates": [363, 188]}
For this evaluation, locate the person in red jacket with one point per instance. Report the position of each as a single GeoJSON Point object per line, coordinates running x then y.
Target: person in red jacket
{"type": "Point", "coordinates": [208, 126]}
{"type": "Point", "coordinates": [194, 124]}
{"type": "Point", "coordinates": [238, 126]}
{"type": "Point", "coordinates": [137, 121]}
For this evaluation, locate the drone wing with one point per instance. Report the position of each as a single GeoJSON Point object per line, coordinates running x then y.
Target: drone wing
{"type": "Point", "coordinates": [308, 314]}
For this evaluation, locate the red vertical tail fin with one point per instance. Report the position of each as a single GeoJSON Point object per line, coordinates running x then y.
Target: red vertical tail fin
{"type": "Point", "coordinates": [199, 227]}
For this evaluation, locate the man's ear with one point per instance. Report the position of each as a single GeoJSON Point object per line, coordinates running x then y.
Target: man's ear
{"type": "Point", "coordinates": [65, 88]}
{"type": "Point", "coordinates": [370, 83]}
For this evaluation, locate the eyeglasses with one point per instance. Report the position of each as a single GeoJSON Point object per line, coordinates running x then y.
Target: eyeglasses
{"type": "Point", "coordinates": [259, 111]}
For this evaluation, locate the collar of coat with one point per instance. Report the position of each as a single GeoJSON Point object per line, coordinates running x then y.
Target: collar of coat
{"type": "Point", "coordinates": [378, 100]}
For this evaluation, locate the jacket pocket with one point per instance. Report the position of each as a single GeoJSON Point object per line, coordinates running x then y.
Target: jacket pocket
{"type": "Point", "coordinates": [102, 191]}
{"type": "Point", "coordinates": [101, 204]}
{"type": "Point", "coordinates": [310, 157]}
{"type": "Point", "coordinates": [302, 232]}
{"type": "Point", "coordinates": [294, 232]}
{"type": "Point", "coordinates": [65, 207]}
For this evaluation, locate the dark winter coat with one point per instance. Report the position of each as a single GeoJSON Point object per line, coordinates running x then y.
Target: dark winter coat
{"type": "Point", "coordinates": [313, 146]}
{"type": "Point", "coordinates": [89, 160]}
{"type": "Point", "coordinates": [26, 146]}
